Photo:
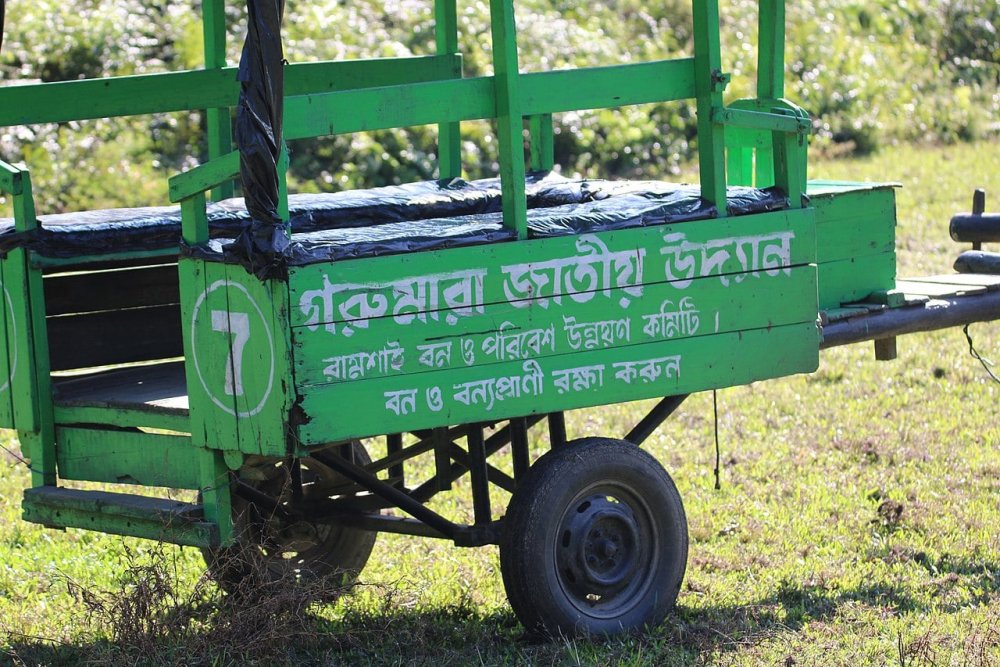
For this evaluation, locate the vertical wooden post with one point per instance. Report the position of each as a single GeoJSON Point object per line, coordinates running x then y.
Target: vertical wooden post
{"type": "Point", "coordinates": [542, 142]}
{"type": "Point", "coordinates": [449, 134]}
{"type": "Point", "coordinates": [771, 50]}
{"type": "Point", "coordinates": [216, 497]}
{"type": "Point", "coordinates": [217, 121]}
{"type": "Point", "coordinates": [519, 446]}
{"type": "Point", "coordinates": [31, 386]}
{"type": "Point", "coordinates": [709, 85]}
{"type": "Point", "coordinates": [479, 475]}
{"type": "Point", "coordinates": [510, 121]}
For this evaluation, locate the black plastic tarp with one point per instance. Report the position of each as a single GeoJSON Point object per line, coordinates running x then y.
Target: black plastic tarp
{"type": "Point", "coordinates": [429, 214]}
{"type": "Point", "coordinates": [263, 241]}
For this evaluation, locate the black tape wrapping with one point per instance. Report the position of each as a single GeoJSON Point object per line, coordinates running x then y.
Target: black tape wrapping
{"type": "Point", "coordinates": [262, 243]}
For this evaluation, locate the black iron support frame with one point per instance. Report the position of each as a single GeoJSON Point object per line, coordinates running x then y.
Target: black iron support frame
{"type": "Point", "coordinates": [659, 414]}
{"type": "Point", "coordinates": [393, 446]}
{"type": "Point", "coordinates": [519, 446]}
{"type": "Point", "coordinates": [442, 460]}
{"type": "Point", "coordinates": [478, 474]}
{"type": "Point", "coordinates": [557, 429]}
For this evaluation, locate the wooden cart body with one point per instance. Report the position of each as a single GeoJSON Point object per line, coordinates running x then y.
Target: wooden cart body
{"type": "Point", "coordinates": [155, 367]}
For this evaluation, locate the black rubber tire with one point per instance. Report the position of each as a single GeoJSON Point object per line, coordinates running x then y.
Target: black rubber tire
{"type": "Point", "coordinates": [335, 554]}
{"type": "Point", "coordinates": [594, 541]}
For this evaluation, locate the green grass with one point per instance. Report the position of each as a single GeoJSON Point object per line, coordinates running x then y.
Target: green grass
{"type": "Point", "coordinates": [791, 562]}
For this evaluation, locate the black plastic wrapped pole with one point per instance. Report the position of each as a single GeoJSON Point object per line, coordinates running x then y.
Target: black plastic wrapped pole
{"type": "Point", "coordinates": [262, 243]}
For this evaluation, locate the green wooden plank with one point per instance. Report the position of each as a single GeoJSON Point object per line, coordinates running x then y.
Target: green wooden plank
{"type": "Point", "coordinates": [204, 177]}
{"type": "Point", "coordinates": [218, 121]}
{"type": "Point", "coordinates": [577, 380]}
{"type": "Point", "coordinates": [771, 49]}
{"type": "Point", "coordinates": [548, 270]}
{"type": "Point", "coordinates": [119, 514]}
{"type": "Point", "coordinates": [509, 117]}
{"type": "Point", "coordinates": [126, 457]}
{"type": "Point", "coordinates": [391, 106]}
{"type": "Point", "coordinates": [10, 178]}
{"type": "Point", "coordinates": [123, 417]}
{"type": "Point", "coordinates": [855, 224]}
{"type": "Point", "coordinates": [449, 134]}
{"type": "Point", "coordinates": [64, 101]}
{"type": "Point", "coordinates": [709, 85]}
{"type": "Point", "coordinates": [542, 142]}
{"type": "Point", "coordinates": [606, 87]}
{"type": "Point", "coordinates": [8, 359]}
{"type": "Point", "coordinates": [853, 279]}
{"type": "Point", "coordinates": [259, 357]}
{"type": "Point", "coordinates": [40, 261]}
{"type": "Point", "coordinates": [504, 331]}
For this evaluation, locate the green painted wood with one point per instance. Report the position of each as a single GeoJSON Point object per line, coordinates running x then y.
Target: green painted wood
{"type": "Point", "coordinates": [608, 86]}
{"type": "Point", "coordinates": [10, 178]}
{"type": "Point", "coordinates": [449, 134]}
{"type": "Point", "coordinates": [323, 293]}
{"type": "Point", "coordinates": [771, 49]}
{"type": "Point", "coordinates": [594, 377]}
{"type": "Point", "coordinates": [119, 514]}
{"type": "Point", "coordinates": [509, 117]}
{"type": "Point", "coordinates": [64, 101]}
{"type": "Point", "coordinates": [67, 415]}
{"type": "Point", "coordinates": [218, 121]}
{"type": "Point", "coordinates": [504, 331]}
{"type": "Point", "coordinates": [855, 224]}
{"type": "Point", "coordinates": [709, 85]}
{"type": "Point", "coordinates": [8, 358]}
{"type": "Point", "coordinates": [31, 384]}
{"type": "Point", "coordinates": [111, 256]}
{"type": "Point", "coordinates": [200, 179]}
{"type": "Point", "coordinates": [542, 142]}
{"type": "Point", "coordinates": [127, 457]}
{"type": "Point", "coordinates": [855, 278]}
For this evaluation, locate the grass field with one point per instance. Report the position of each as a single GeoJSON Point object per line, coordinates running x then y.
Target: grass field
{"type": "Point", "coordinates": [858, 521]}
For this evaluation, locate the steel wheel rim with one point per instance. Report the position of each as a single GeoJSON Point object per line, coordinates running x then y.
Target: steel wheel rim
{"type": "Point", "coordinates": [605, 549]}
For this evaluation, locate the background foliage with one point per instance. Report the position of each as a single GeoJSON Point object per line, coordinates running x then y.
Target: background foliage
{"type": "Point", "coordinates": [872, 73]}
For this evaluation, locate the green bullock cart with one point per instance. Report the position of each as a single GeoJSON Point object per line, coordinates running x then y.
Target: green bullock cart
{"type": "Point", "coordinates": [292, 383]}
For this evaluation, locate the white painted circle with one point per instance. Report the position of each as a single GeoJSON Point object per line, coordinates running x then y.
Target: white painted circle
{"type": "Point", "coordinates": [270, 347]}
{"type": "Point", "coordinates": [11, 336]}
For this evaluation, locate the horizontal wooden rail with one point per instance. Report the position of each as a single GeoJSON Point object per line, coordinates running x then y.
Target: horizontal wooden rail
{"type": "Point", "coordinates": [64, 101]}
{"type": "Point", "coordinates": [10, 178]}
{"type": "Point", "coordinates": [392, 106]}
{"type": "Point", "coordinates": [605, 87]}
{"type": "Point", "coordinates": [758, 120]}
{"type": "Point", "coordinates": [204, 177]}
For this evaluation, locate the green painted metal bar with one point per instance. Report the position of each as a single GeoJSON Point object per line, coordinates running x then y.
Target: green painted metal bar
{"type": "Point", "coordinates": [449, 134]}
{"type": "Point", "coordinates": [606, 87]}
{"type": "Point", "coordinates": [710, 83]}
{"type": "Point", "coordinates": [218, 121]}
{"type": "Point", "coordinates": [64, 101]}
{"type": "Point", "coordinates": [509, 116]}
{"type": "Point", "coordinates": [771, 50]}
{"type": "Point", "coordinates": [756, 120]}
{"type": "Point", "coordinates": [542, 142]}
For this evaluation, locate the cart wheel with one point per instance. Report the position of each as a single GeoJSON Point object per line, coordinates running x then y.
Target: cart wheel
{"type": "Point", "coordinates": [271, 549]}
{"type": "Point", "coordinates": [594, 541]}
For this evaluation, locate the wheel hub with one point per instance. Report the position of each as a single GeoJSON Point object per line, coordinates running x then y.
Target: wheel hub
{"type": "Point", "coordinates": [598, 550]}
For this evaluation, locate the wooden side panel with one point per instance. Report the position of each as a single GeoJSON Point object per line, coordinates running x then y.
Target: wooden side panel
{"type": "Point", "coordinates": [855, 240]}
{"type": "Point", "coordinates": [553, 324]}
{"type": "Point", "coordinates": [125, 457]}
{"type": "Point", "coordinates": [236, 358]}
{"type": "Point", "coordinates": [597, 377]}
{"type": "Point", "coordinates": [8, 358]}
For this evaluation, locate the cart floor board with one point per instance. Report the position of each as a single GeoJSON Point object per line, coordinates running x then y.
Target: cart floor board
{"type": "Point", "coordinates": [155, 388]}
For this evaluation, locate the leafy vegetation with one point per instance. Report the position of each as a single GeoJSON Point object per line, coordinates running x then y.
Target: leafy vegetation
{"type": "Point", "coordinates": [856, 524]}
{"type": "Point", "coordinates": [871, 73]}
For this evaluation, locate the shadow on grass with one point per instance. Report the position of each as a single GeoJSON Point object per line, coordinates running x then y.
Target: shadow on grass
{"type": "Point", "coordinates": [463, 634]}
